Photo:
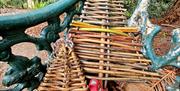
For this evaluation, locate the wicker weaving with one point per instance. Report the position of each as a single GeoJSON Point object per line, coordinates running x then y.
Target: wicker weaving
{"type": "Point", "coordinates": [64, 73]}
{"type": "Point", "coordinates": [109, 55]}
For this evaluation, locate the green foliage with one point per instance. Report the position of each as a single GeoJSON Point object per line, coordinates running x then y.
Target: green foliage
{"type": "Point", "coordinates": [156, 9]}
{"type": "Point", "coordinates": [39, 5]}
{"type": "Point", "coordinates": [130, 5]}
{"type": "Point", "coordinates": [12, 3]}
{"type": "Point", "coordinates": [159, 7]}
{"type": "Point", "coordinates": [23, 3]}
{"type": "Point", "coordinates": [42, 3]}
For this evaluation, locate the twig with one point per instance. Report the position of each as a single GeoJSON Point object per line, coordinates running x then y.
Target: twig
{"type": "Point", "coordinates": [168, 25]}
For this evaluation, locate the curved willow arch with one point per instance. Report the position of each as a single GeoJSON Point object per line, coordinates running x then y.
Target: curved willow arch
{"type": "Point", "coordinates": [24, 72]}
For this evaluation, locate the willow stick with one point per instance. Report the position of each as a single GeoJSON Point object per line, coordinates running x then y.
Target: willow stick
{"type": "Point", "coordinates": [125, 60]}
{"type": "Point", "coordinates": [103, 12]}
{"type": "Point", "coordinates": [103, 42]}
{"type": "Point", "coordinates": [101, 61]}
{"type": "Point", "coordinates": [121, 66]}
{"type": "Point", "coordinates": [87, 49]}
{"type": "Point", "coordinates": [82, 24]}
{"type": "Point", "coordinates": [106, 54]}
{"type": "Point", "coordinates": [120, 54]}
{"type": "Point", "coordinates": [163, 78]}
{"type": "Point", "coordinates": [136, 51]}
{"type": "Point", "coordinates": [122, 79]}
{"type": "Point", "coordinates": [93, 46]}
{"type": "Point", "coordinates": [137, 66]}
{"type": "Point", "coordinates": [138, 71]}
{"type": "Point", "coordinates": [103, 30]}
{"type": "Point", "coordinates": [117, 41]}
{"type": "Point", "coordinates": [113, 38]}
{"type": "Point", "coordinates": [54, 88]}
{"type": "Point", "coordinates": [55, 78]}
{"type": "Point", "coordinates": [126, 29]}
{"type": "Point", "coordinates": [110, 65]}
{"type": "Point", "coordinates": [91, 70]}
{"type": "Point", "coordinates": [97, 35]}
{"type": "Point", "coordinates": [108, 51]}
{"type": "Point", "coordinates": [127, 70]}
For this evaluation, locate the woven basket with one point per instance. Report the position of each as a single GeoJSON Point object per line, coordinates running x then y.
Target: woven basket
{"type": "Point", "coordinates": [64, 73]}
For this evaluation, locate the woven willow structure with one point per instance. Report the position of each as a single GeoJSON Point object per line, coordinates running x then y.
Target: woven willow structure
{"type": "Point", "coordinates": [109, 56]}
{"type": "Point", "coordinates": [64, 73]}
{"type": "Point", "coordinates": [102, 54]}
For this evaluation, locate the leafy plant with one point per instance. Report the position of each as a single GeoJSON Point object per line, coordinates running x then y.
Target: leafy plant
{"type": "Point", "coordinates": [12, 3]}
{"type": "Point", "coordinates": [23, 3]}
{"type": "Point", "coordinates": [2, 3]}
{"type": "Point", "coordinates": [42, 3]}
{"type": "Point", "coordinates": [156, 8]}
{"type": "Point", "coordinates": [130, 5]}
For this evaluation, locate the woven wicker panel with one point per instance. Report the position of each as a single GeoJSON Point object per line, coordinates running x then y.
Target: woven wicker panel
{"type": "Point", "coordinates": [64, 73]}
{"type": "Point", "coordinates": [108, 56]}
{"type": "Point", "coordinates": [113, 58]}
{"type": "Point", "coordinates": [104, 12]}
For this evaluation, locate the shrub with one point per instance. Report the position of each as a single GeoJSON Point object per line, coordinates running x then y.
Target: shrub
{"type": "Point", "coordinates": [156, 8]}
{"type": "Point", "coordinates": [12, 3]}
{"type": "Point", "coordinates": [42, 3]}
{"type": "Point", "coordinates": [159, 7]}
{"type": "Point", "coordinates": [23, 3]}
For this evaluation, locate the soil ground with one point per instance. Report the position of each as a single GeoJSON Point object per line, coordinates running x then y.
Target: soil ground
{"type": "Point", "coordinates": [161, 45]}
